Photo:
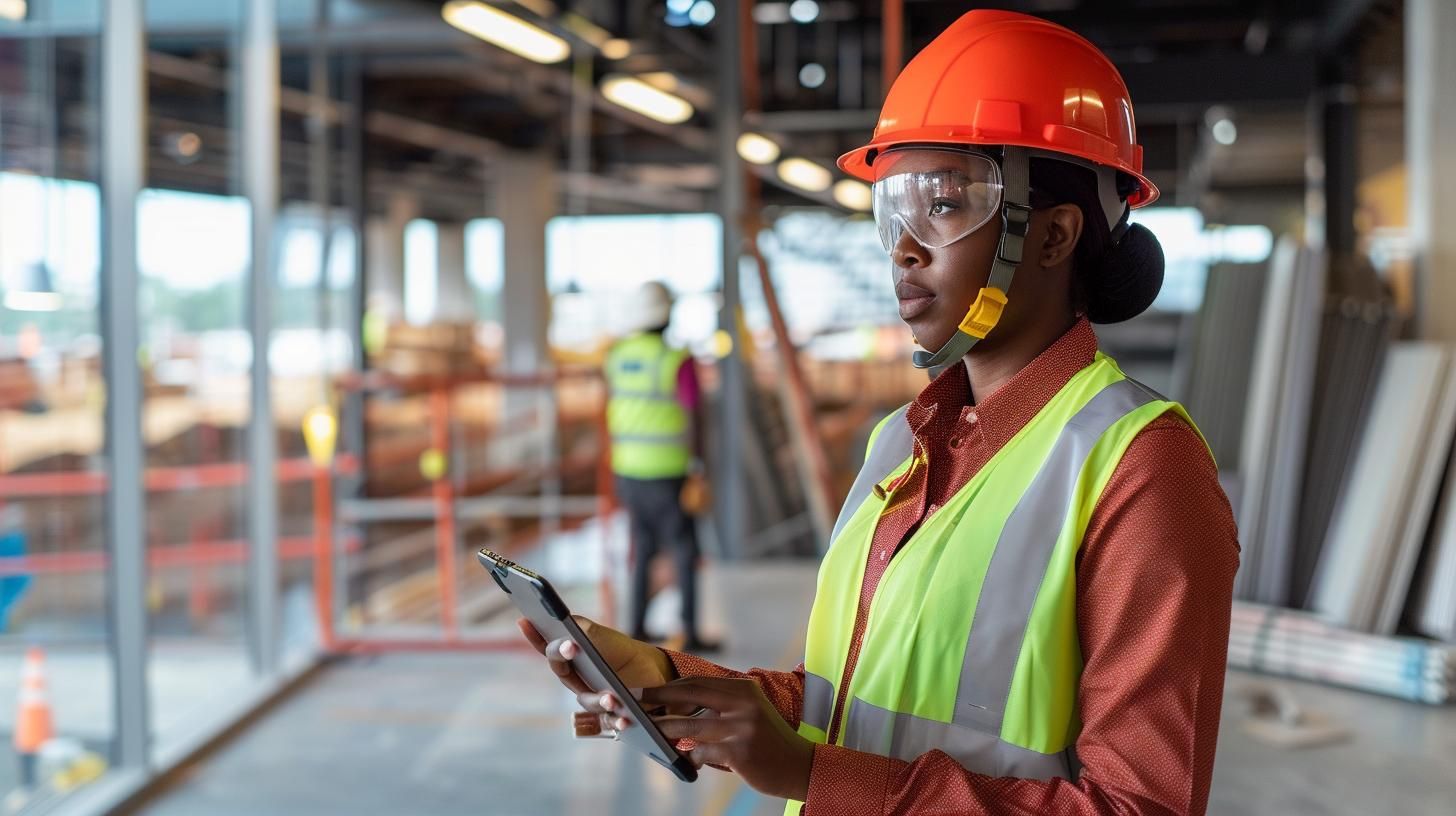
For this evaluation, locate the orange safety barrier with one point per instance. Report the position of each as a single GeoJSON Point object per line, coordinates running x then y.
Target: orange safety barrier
{"type": "Point", "coordinates": [444, 493]}
{"type": "Point", "coordinates": [193, 477]}
{"type": "Point", "coordinates": [201, 553]}
{"type": "Point", "coordinates": [320, 546]}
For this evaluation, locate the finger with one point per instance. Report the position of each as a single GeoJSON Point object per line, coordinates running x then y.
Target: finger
{"type": "Point", "coordinates": [712, 753]}
{"type": "Point", "coordinates": [561, 668]}
{"type": "Point", "coordinates": [699, 729]}
{"type": "Point", "coordinates": [562, 649]}
{"type": "Point", "coordinates": [696, 691]}
{"type": "Point", "coordinates": [570, 678]}
{"type": "Point", "coordinates": [532, 634]}
{"type": "Point", "coordinates": [599, 702]}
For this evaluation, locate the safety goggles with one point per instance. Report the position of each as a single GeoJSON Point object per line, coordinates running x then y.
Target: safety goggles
{"type": "Point", "coordinates": [938, 195]}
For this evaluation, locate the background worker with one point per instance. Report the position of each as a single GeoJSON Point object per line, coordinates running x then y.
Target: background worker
{"type": "Point", "coordinates": [1025, 604]}
{"type": "Point", "coordinates": [654, 418]}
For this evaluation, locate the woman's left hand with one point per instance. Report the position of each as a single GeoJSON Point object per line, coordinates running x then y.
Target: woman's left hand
{"type": "Point", "coordinates": [741, 731]}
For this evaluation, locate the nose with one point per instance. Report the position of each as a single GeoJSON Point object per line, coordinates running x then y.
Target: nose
{"type": "Point", "coordinates": [908, 253]}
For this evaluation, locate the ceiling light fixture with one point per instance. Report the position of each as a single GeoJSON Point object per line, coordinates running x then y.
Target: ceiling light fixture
{"type": "Point", "coordinates": [616, 49]}
{"type": "Point", "coordinates": [853, 195]}
{"type": "Point", "coordinates": [702, 13]}
{"type": "Point", "coordinates": [34, 292]}
{"type": "Point", "coordinates": [1225, 132]}
{"type": "Point", "coordinates": [804, 11]}
{"type": "Point", "coordinates": [654, 103]}
{"type": "Point", "coordinates": [805, 175]}
{"type": "Point", "coordinates": [505, 31]}
{"type": "Point", "coordinates": [758, 149]}
{"type": "Point", "coordinates": [812, 75]}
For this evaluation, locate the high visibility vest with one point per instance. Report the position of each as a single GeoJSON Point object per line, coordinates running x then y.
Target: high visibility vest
{"type": "Point", "coordinates": [649, 427]}
{"type": "Point", "coordinates": [971, 644]}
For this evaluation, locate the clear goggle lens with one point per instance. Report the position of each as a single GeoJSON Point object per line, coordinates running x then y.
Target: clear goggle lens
{"type": "Point", "coordinates": [937, 195]}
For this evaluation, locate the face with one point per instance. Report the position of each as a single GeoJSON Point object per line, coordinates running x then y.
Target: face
{"type": "Point", "coordinates": [936, 286]}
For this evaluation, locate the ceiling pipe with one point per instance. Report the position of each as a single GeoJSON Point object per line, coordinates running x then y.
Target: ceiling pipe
{"type": "Point", "coordinates": [893, 49]}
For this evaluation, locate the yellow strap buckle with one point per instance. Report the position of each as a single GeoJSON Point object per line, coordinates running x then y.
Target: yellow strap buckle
{"type": "Point", "coordinates": [985, 313]}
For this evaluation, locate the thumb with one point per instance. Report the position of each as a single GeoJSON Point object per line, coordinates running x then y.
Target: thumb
{"type": "Point", "coordinates": [612, 644]}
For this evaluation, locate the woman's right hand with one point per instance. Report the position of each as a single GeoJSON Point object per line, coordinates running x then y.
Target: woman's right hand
{"type": "Point", "coordinates": [638, 664]}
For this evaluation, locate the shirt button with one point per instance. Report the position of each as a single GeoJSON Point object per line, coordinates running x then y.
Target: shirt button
{"type": "Point", "coordinates": [973, 419]}
{"type": "Point", "coordinates": [956, 442]}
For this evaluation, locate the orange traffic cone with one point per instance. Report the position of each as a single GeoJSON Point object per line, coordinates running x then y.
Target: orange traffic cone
{"type": "Point", "coordinates": [33, 724]}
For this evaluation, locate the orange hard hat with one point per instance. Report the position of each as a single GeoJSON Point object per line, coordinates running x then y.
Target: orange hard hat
{"type": "Point", "coordinates": [1001, 78]}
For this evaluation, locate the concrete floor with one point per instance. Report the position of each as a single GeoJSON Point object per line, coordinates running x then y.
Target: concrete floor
{"type": "Point", "coordinates": [487, 734]}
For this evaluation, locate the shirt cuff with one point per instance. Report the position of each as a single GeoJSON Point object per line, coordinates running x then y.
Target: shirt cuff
{"type": "Point", "coordinates": [686, 665]}
{"type": "Point", "coordinates": [845, 782]}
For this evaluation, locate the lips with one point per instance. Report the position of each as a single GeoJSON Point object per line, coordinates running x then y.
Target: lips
{"type": "Point", "coordinates": [914, 300]}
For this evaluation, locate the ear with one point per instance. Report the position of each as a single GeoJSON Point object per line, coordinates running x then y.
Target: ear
{"type": "Point", "coordinates": [1063, 230]}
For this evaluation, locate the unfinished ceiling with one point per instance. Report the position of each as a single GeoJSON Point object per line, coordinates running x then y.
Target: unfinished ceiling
{"type": "Point", "coordinates": [422, 106]}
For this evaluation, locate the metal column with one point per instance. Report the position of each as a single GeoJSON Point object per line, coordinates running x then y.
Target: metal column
{"type": "Point", "coordinates": [729, 111]}
{"type": "Point", "coordinates": [260, 183]}
{"type": "Point", "coordinates": [123, 167]}
{"type": "Point", "coordinates": [1339, 96]}
{"type": "Point", "coordinates": [352, 187]}
{"type": "Point", "coordinates": [454, 298]}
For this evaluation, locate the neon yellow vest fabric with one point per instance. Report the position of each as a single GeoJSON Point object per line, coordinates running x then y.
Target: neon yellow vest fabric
{"type": "Point", "coordinates": [971, 644]}
{"type": "Point", "coordinates": [648, 426]}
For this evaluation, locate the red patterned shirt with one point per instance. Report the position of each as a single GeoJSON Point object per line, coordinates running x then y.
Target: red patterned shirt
{"type": "Point", "coordinates": [1154, 588]}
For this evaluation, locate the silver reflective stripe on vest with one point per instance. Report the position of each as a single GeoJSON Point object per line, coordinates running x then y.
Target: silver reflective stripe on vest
{"type": "Point", "coordinates": [1022, 555]}
{"type": "Point", "coordinates": [646, 396]}
{"type": "Point", "coordinates": [652, 439]}
{"type": "Point", "coordinates": [892, 447]}
{"type": "Point", "coordinates": [905, 736]}
{"type": "Point", "coordinates": [818, 701]}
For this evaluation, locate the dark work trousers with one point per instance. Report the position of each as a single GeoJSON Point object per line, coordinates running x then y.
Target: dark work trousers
{"type": "Point", "coordinates": [658, 524]}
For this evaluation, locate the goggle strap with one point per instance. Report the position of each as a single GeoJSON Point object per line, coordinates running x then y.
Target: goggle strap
{"type": "Point", "coordinates": [1015, 218]}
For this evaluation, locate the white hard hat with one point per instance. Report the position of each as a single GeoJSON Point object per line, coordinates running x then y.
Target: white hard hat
{"type": "Point", "coordinates": [652, 306]}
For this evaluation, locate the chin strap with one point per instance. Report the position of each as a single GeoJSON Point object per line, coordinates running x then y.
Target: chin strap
{"type": "Point", "coordinates": [985, 313]}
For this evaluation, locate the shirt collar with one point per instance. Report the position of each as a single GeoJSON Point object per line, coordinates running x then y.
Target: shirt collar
{"type": "Point", "coordinates": [1002, 414]}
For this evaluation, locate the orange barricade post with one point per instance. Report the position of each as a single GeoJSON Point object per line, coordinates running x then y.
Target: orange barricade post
{"type": "Point", "coordinates": [320, 435]}
{"type": "Point", "coordinates": [33, 724]}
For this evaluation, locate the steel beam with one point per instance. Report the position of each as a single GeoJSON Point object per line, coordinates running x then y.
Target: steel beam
{"type": "Point", "coordinates": [260, 140]}
{"type": "Point", "coordinates": [123, 169]}
{"type": "Point", "coordinates": [734, 415]}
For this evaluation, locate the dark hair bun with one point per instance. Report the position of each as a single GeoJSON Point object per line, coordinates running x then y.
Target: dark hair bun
{"type": "Point", "coordinates": [1128, 278]}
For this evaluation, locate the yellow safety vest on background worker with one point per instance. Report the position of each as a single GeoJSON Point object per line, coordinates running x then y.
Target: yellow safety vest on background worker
{"type": "Point", "coordinates": [648, 425]}
{"type": "Point", "coordinates": [971, 647]}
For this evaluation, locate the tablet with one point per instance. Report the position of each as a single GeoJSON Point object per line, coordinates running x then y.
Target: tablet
{"type": "Point", "coordinates": [540, 604]}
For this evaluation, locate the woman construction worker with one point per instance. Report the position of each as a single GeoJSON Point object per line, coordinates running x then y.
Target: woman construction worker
{"type": "Point", "coordinates": [654, 420]}
{"type": "Point", "coordinates": [1025, 605]}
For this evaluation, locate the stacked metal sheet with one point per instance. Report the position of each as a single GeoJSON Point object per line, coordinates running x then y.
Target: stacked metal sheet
{"type": "Point", "coordinates": [1364, 573]}
{"type": "Point", "coordinates": [1213, 369]}
{"type": "Point", "coordinates": [1277, 421]}
{"type": "Point", "coordinates": [1432, 608]}
{"type": "Point", "coordinates": [1300, 645]}
{"type": "Point", "coordinates": [1353, 343]}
